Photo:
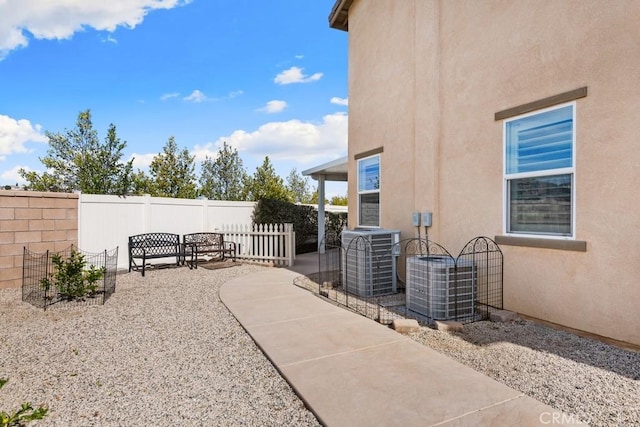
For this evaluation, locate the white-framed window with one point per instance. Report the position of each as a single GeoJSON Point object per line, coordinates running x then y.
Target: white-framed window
{"type": "Point", "coordinates": [539, 170]}
{"type": "Point", "coordinates": [369, 191]}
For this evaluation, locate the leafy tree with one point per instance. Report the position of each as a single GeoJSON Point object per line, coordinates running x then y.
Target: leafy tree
{"type": "Point", "coordinates": [141, 183]}
{"type": "Point", "coordinates": [172, 173]}
{"type": "Point", "coordinates": [314, 198]}
{"type": "Point", "coordinates": [265, 184]}
{"type": "Point", "coordinates": [339, 201]}
{"type": "Point", "coordinates": [222, 178]}
{"type": "Point", "coordinates": [76, 160]}
{"type": "Point", "coordinates": [299, 187]}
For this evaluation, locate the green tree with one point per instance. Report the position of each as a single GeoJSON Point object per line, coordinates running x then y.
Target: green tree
{"type": "Point", "coordinates": [141, 183]}
{"type": "Point", "coordinates": [299, 187]}
{"type": "Point", "coordinates": [222, 178]}
{"type": "Point", "coordinates": [172, 173]}
{"type": "Point", "coordinates": [314, 198]}
{"type": "Point", "coordinates": [339, 201]}
{"type": "Point", "coordinates": [265, 184]}
{"type": "Point", "coordinates": [76, 160]}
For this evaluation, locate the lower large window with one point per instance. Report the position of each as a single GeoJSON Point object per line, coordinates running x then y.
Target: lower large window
{"type": "Point", "coordinates": [369, 191]}
{"type": "Point", "coordinates": [539, 170]}
{"type": "Point", "coordinates": [541, 205]}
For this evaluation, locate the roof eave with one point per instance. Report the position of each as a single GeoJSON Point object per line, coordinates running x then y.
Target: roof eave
{"type": "Point", "coordinates": [339, 17]}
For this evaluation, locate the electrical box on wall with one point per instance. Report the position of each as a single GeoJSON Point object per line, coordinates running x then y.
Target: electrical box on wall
{"type": "Point", "coordinates": [415, 219]}
{"type": "Point", "coordinates": [426, 219]}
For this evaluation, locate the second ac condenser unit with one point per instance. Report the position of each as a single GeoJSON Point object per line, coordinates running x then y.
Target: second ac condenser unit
{"type": "Point", "coordinates": [441, 288]}
{"type": "Point", "coordinates": [369, 262]}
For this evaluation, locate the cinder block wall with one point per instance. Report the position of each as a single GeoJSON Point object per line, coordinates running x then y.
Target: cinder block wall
{"type": "Point", "coordinates": [37, 221]}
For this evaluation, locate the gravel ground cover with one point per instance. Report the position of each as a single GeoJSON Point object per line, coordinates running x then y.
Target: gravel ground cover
{"type": "Point", "coordinates": [163, 350]}
{"type": "Point", "coordinates": [595, 382]}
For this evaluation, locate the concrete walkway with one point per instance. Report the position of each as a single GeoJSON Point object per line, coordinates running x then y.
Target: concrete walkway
{"type": "Point", "coordinates": [352, 371]}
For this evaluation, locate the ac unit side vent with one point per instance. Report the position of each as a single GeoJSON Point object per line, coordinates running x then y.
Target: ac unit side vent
{"type": "Point", "coordinates": [369, 267]}
{"type": "Point", "coordinates": [441, 288]}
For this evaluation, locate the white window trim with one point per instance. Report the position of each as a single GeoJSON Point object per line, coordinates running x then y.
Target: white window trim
{"type": "Point", "coordinates": [563, 171]}
{"type": "Point", "coordinates": [369, 191]}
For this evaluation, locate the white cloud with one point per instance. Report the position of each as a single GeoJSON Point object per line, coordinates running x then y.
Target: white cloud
{"type": "Point", "coordinates": [196, 96]}
{"type": "Point", "coordinates": [294, 75]}
{"type": "Point", "coordinates": [14, 134]}
{"type": "Point", "coordinates": [340, 101]}
{"type": "Point", "coordinates": [60, 19]}
{"type": "Point", "coordinates": [142, 161]}
{"type": "Point", "coordinates": [169, 96]}
{"type": "Point", "coordinates": [12, 176]}
{"type": "Point", "coordinates": [199, 96]}
{"type": "Point", "coordinates": [110, 39]}
{"type": "Point", "coordinates": [275, 106]}
{"type": "Point", "coordinates": [303, 142]}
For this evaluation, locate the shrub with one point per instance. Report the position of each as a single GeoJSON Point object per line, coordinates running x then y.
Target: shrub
{"type": "Point", "coordinates": [20, 416]}
{"type": "Point", "coordinates": [304, 220]}
{"type": "Point", "coordinates": [71, 278]}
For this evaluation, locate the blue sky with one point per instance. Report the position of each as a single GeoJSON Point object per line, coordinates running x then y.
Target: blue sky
{"type": "Point", "coordinates": [268, 77]}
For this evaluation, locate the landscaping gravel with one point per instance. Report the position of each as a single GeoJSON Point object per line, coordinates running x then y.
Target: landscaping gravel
{"type": "Point", "coordinates": [163, 350]}
{"type": "Point", "coordinates": [588, 380]}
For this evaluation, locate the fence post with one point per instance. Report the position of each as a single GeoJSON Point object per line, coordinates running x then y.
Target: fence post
{"type": "Point", "coordinates": [146, 215]}
{"type": "Point", "coordinates": [290, 244]}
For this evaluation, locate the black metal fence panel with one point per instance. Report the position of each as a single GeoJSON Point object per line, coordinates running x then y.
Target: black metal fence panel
{"type": "Point", "coordinates": [69, 277]}
{"type": "Point", "coordinates": [429, 284]}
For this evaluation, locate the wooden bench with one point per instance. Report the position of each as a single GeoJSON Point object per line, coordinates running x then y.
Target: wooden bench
{"type": "Point", "coordinates": [154, 245]}
{"type": "Point", "coordinates": [197, 244]}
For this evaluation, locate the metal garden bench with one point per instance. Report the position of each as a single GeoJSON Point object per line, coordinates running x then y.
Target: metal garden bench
{"type": "Point", "coordinates": [154, 245]}
{"type": "Point", "coordinates": [197, 244]}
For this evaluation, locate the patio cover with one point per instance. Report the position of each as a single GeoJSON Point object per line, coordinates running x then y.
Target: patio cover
{"type": "Point", "coordinates": [335, 170]}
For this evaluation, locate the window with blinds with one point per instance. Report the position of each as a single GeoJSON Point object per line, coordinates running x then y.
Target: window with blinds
{"type": "Point", "coordinates": [539, 169]}
{"type": "Point", "coordinates": [369, 191]}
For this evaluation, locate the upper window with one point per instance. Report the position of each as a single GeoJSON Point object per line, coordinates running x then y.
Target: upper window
{"type": "Point", "coordinates": [369, 191]}
{"type": "Point", "coordinates": [539, 172]}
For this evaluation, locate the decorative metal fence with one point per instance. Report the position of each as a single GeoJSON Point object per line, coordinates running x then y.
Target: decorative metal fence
{"type": "Point", "coordinates": [68, 277]}
{"type": "Point", "coordinates": [266, 243]}
{"type": "Point", "coordinates": [429, 284]}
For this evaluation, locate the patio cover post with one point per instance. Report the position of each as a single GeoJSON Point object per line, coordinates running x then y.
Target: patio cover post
{"type": "Point", "coordinates": [321, 215]}
{"type": "Point", "coordinates": [335, 170]}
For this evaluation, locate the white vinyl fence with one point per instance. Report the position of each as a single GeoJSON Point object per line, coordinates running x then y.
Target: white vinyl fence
{"type": "Point", "coordinates": [106, 222]}
{"type": "Point", "coordinates": [273, 243]}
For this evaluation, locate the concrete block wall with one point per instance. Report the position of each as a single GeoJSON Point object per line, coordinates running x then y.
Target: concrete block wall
{"type": "Point", "coordinates": [37, 221]}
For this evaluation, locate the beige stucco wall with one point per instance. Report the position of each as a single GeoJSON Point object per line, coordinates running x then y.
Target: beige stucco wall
{"type": "Point", "coordinates": [37, 221]}
{"type": "Point", "coordinates": [425, 80]}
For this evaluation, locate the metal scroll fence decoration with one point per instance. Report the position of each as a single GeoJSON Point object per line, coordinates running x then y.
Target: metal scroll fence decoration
{"type": "Point", "coordinates": [414, 278]}
{"type": "Point", "coordinates": [68, 277]}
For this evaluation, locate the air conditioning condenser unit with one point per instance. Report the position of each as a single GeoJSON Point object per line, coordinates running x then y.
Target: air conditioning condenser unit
{"type": "Point", "coordinates": [369, 262]}
{"type": "Point", "coordinates": [440, 287]}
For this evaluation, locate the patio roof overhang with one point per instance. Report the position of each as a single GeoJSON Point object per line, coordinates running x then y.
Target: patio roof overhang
{"type": "Point", "coordinates": [335, 170]}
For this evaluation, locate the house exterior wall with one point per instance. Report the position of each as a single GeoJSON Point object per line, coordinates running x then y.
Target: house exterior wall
{"type": "Point", "coordinates": [425, 80]}
{"type": "Point", "coordinates": [37, 221]}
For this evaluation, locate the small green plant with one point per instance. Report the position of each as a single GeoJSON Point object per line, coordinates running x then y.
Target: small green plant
{"type": "Point", "coordinates": [21, 416]}
{"type": "Point", "coordinates": [71, 278]}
